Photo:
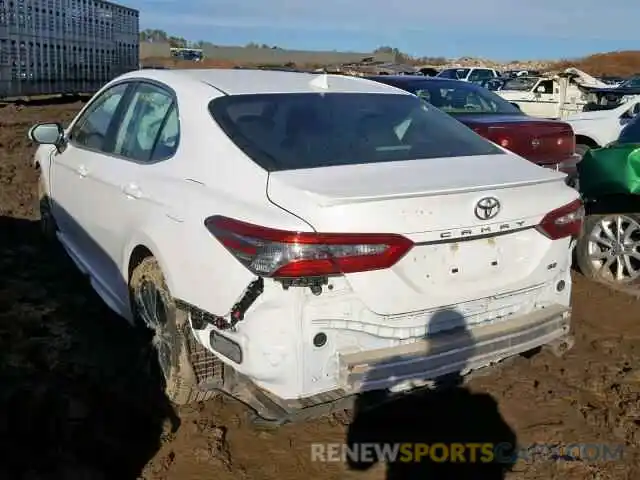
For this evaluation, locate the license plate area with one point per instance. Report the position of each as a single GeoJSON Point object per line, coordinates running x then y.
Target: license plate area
{"type": "Point", "coordinates": [468, 260]}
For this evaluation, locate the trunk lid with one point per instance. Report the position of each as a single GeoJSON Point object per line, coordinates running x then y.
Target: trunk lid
{"type": "Point", "coordinates": [545, 142]}
{"type": "Point", "coordinates": [457, 257]}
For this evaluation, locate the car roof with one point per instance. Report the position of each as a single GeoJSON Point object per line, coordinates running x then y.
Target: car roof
{"type": "Point", "coordinates": [246, 81]}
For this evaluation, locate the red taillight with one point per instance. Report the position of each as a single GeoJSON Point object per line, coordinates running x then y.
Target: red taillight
{"type": "Point", "coordinates": [278, 253]}
{"type": "Point", "coordinates": [563, 222]}
{"type": "Point", "coordinates": [504, 142]}
{"type": "Point", "coordinates": [532, 139]}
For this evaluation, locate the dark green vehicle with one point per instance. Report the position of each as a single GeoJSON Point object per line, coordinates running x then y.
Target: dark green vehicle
{"type": "Point", "coordinates": [609, 248]}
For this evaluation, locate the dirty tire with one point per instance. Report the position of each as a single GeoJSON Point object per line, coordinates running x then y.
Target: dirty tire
{"type": "Point", "coordinates": [48, 226]}
{"type": "Point", "coordinates": [582, 149]}
{"type": "Point", "coordinates": [180, 381]}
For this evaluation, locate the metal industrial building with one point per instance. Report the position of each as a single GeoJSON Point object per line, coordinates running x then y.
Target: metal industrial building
{"type": "Point", "coordinates": [64, 46]}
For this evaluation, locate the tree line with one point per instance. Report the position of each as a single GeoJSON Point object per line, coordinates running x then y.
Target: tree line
{"type": "Point", "coordinates": [156, 35]}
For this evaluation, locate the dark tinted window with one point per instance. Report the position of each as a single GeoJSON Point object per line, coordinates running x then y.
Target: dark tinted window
{"type": "Point", "coordinates": [520, 84]}
{"type": "Point", "coordinates": [454, 73]}
{"type": "Point", "coordinates": [308, 130]}
{"type": "Point", "coordinates": [457, 97]}
{"type": "Point", "coordinates": [631, 133]}
{"type": "Point", "coordinates": [480, 74]}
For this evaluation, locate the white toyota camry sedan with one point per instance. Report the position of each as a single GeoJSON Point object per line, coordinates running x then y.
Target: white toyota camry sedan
{"type": "Point", "coordinates": [294, 239]}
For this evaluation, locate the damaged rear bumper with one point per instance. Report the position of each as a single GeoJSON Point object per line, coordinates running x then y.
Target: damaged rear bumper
{"type": "Point", "coordinates": [460, 351]}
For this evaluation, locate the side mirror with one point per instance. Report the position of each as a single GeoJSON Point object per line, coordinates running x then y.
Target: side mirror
{"type": "Point", "coordinates": [635, 110]}
{"type": "Point", "coordinates": [541, 90]}
{"type": "Point", "coordinates": [515, 105]}
{"type": "Point", "coordinates": [47, 134]}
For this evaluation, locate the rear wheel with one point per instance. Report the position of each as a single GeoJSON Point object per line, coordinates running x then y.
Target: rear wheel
{"type": "Point", "coordinates": [582, 149]}
{"type": "Point", "coordinates": [609, 248]}
{"type": "Point", "coordinates": [154, 307]}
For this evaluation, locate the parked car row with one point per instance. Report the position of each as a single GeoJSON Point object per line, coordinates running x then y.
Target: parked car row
{"type": "Point", "coordinates": [548, 143]}
{"type": "Point", "coordinates": [294, 239]}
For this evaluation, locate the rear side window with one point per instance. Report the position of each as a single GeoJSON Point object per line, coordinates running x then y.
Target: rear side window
{"type": "Point", "coordinates": [309, 130]}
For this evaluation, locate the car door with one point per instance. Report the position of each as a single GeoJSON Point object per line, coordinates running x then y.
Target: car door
{"type": "Point", "coordinates": [146, 134]}
{"type": "Point", "coordinates": [87, 139]}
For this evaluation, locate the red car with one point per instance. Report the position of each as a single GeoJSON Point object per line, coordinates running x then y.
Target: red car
{"type": "Point", "coordinates": [548, 143]}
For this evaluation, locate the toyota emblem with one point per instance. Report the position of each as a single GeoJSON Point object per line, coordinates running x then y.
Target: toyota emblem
{"type": "Point", "coordinates": [487, 208]}
{"type": "Point", "coordinates": [535, 143]}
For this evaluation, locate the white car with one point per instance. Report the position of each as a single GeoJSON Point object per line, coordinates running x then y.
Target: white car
{"type": "Point", "coordinates": [469, 74]}
{"type": "Point", "coordinates": [294, 239]}
{"type": "Point", "coordinates": [599, 128]}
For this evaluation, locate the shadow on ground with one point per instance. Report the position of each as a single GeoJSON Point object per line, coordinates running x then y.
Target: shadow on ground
{"type": "Point", "coordinates": [81, 394]}
{"type": "Point", "coordinates": [447, 415]}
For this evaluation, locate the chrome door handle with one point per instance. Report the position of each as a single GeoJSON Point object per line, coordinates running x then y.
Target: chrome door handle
{"type": "Point", "coordinates": [82, 171]}
{"type": "Point", "coordinates": [132, 191]}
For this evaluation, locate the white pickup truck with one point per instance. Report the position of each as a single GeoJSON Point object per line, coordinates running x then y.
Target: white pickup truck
{"type": "Point", "coordinates": [598, 128]}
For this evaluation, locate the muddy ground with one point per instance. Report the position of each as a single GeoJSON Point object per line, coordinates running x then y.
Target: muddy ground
{"type": "Point", "coordinates": [77, 400]}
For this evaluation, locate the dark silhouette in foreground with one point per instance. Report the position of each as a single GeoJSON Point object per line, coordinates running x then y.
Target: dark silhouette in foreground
{"type": "Point", "coordinates": [449, 414]}
{"type": "Point", "coordinates": [80, 390]}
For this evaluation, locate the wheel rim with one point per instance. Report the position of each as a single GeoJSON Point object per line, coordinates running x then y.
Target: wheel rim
{"type": "Point", "coordinates": [152, 310]}
{"type": "Point", "coordinates": [614, 249]}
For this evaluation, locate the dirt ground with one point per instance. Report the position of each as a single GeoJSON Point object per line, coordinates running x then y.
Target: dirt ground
{"type": "Point", "coordinates": [77, 400]}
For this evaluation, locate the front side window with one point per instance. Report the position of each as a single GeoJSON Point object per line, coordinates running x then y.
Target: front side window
{"type": "Point", "coordinates": [545, 86]}
{"type": "Point", "coordinates": [151, 117]}
{"type": "Point", "coordinates": [520, 84]}
{"type": "Point", "coordinates": [308, 130]}
{"type": "Point", "coordinates": [91, 129]}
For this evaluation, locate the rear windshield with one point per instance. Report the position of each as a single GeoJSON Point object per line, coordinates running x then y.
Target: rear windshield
{"type": "Point", "coordinates": [454, 73]}
{"type": "Point", "coordinates": [458, 97]}
{"type": "Point", "coordinates": [309, 130]}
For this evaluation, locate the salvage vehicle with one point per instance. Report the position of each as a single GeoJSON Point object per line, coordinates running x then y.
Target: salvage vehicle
{"type": "Point", "coordinates": [295, 239]}
{"type": "Point", "coordinates": [610, 97]}
{"type": "Point", "coordinates": [609, 248]}
{"type": "Point", "coordinates": [541, 96]}
{"type": "Point", "coordinates": [469, 74]}
{"type": "Point", "coordinates": [598, 128]}
{"type": "Point", "coordinates": [555, 96]}
{"type": "Point", "coordinates": [548, 143]}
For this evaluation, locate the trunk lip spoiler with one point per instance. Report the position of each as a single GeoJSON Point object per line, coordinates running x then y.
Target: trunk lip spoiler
{"type": "Point", "coordinates": [325, 201]}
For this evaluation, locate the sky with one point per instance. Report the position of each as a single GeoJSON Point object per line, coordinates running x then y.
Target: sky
{"type": "Point", "coordinates": [495, 29]}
